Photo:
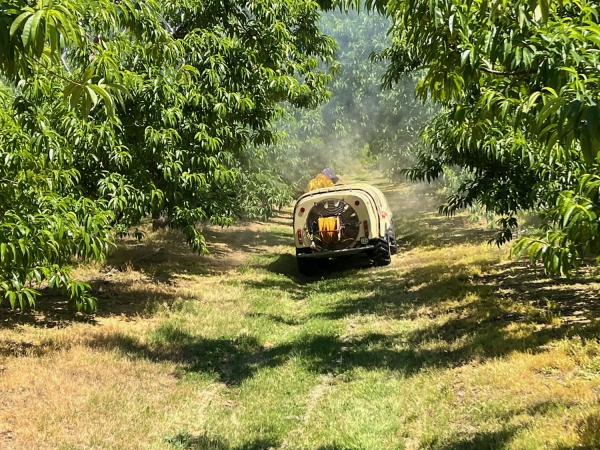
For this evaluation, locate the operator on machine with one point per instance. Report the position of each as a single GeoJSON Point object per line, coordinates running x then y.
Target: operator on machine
{"type": "Point", "coordinates": [326, 178]}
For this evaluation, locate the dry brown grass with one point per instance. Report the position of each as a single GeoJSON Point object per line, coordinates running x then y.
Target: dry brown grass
{"type": "Point", "coordinates": [94, 398]}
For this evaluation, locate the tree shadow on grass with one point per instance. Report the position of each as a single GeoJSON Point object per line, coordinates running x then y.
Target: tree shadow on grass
{"type": "Point", "coordinates": [479, 322]}
{"type": "Point", "coordinates": [165, 255]}
{"type": "Point", "coordinates": [186, 441]}
{"type": "Point", "coordinates": [135, 292]}
{"type": "Point", "coordinates": [477, 326]}
{"type": "Point", "coordinates": [127, 296]}
{"type": "Point", "coordinates": [589, 431]}
{"type": "Point", "coordinates": [513, 420]}
{"type": "Point", "coordinates": [139, 275]}
{"type": "Point", "coordinates": [228, 360]}
{"type": "Point", "coordinates": [485, 440]}
{"type": "Point", "coordinates": [233, 360]}
{"type": "Point", "coordinates": [478, 317]}
{"type": "Point", "coordinates": [52, 311]}
{"type": "Point", "coordinates": [441, 231]}
{"type": "Point", "coordinates": [575, 300]}
{"type": "Point", "coordinates": [394, 294]}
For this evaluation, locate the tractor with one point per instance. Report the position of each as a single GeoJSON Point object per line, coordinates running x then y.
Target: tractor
{"type": "Point", "coordinates": [342, 220]}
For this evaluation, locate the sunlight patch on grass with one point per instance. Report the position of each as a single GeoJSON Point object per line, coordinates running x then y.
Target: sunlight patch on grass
{"type": "Point", "coordinates": [265, 407]}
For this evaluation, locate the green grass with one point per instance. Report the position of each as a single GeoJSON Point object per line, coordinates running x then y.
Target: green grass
{"type": "Point", "coordinates": [382, 358]}
{"type": "Point", "coordinates": [450, 347]}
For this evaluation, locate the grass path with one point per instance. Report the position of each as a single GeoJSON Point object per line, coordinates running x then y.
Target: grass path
{"type": "Point", "coordinates": [450, 347]}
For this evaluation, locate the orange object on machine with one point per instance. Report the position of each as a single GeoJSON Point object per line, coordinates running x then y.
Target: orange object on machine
{"type": "Point", "coordinates": [329, 228]}
{"type": "Point", "coordinates": [320, 181]}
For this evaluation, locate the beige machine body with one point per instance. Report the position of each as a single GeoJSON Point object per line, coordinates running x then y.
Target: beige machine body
{"type": "Point", "coordinates": [343, 220]}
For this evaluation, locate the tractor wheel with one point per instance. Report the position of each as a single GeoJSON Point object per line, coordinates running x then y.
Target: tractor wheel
{"type": "Point", "coordinates": [307, 266]}
{"type": "Point", "coordinates": [392, 240]}
{"type": "Point", "coordinates": [382, 253]}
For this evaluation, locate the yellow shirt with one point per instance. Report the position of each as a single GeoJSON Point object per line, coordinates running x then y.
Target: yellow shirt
{"type": "Point", "coordinates": [320, 181]}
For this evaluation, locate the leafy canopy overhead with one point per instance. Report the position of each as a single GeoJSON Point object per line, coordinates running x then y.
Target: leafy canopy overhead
{"type": "Point", "coordinates": [112, 111]}
{"type": "Point", "coordinates": [518, 84]}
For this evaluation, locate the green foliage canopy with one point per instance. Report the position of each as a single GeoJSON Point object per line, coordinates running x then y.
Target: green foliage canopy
{"type": "Point", "coordinates": [361, 118]}
{"type": "Point", "coordinates": [517, 81]}
{"type": "Point", "coordinates": [113, 111]}
{"type": "Point", "coordinates": [382, 123]}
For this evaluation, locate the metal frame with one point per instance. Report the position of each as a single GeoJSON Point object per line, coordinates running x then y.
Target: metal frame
{"type": "Point", "coordinates": [335, 253]}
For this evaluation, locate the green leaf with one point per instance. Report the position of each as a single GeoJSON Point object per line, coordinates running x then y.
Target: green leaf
{"type": "Point", "coordinates": [18, 22]}
{"type": "Point", "coordinates": [108, 101]}
{"type": "Point", "coordinates": [35, 30]}
{"type": "Point", "coordinates": [26, 35]}
{"type": "Point", "coordinates": [544, 6]}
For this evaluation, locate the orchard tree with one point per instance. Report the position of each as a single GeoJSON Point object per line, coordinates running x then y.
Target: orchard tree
{"type": "Point", "coordinates": [518, 85]}
{"type": "Point", "coordinates": [361, 118]}
{"type": "Point", "coordinates": [382, 124]}
{"type": "Point", "coordinates": [111, 111]}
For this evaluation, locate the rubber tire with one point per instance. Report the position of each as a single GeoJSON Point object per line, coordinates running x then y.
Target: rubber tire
{"type": "Point", "coordinates": [392, 240]}
{"type": "Point", "coordinates": [307, 266]}
{"type": "Point", "coordinates": [382, 253]}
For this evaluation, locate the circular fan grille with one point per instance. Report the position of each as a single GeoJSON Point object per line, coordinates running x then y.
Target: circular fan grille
{"type": "Point", "coordinates": [349, 224]}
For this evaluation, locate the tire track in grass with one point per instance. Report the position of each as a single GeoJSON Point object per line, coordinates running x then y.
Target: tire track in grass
{"type": "Point", "coordinates": [326, 382]}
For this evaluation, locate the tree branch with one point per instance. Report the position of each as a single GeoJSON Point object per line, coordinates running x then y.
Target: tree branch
{"type": "Point", "coordinates": [504, 73]}
{"type": "Point", "coordinates": [508, 73]}
{"type": "Point", "coordinates": [53, 73]}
